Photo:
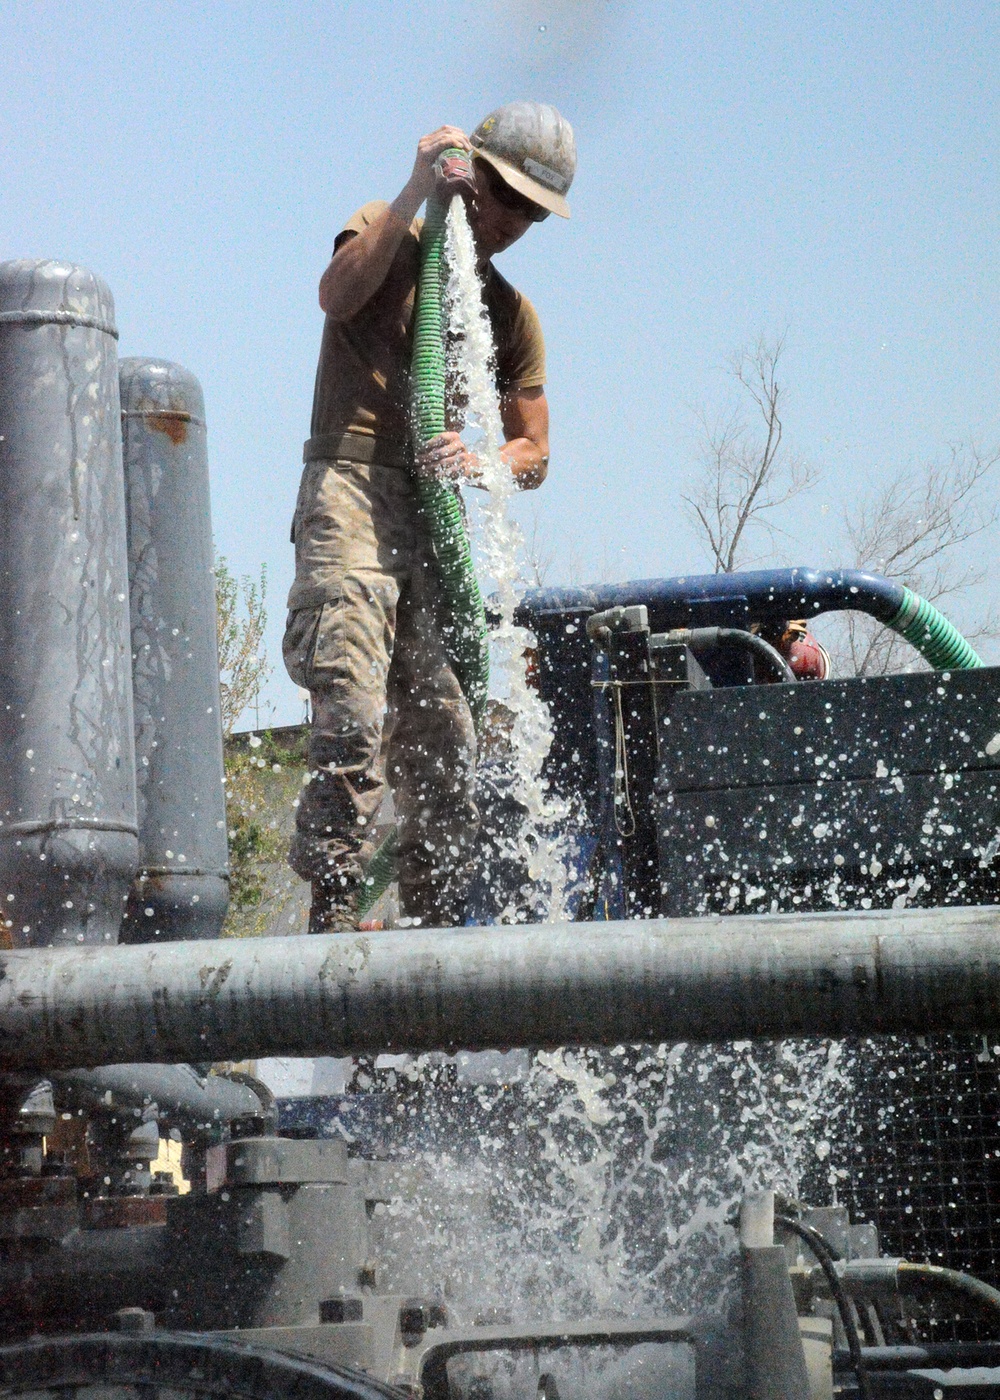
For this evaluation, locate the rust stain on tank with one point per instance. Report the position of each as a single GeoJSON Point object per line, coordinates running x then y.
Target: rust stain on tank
{"type": "Point", "coordinates": [175, 425]}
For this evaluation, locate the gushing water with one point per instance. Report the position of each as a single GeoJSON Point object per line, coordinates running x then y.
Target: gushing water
{"type": "Point", "coordinates": [600, 1181]}
{"type": "Point", "coordinates": [605, 1181]}
{"type": "Point", "coordinates": [541, 835]}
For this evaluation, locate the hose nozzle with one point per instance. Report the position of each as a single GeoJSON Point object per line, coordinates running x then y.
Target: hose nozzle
{"type": "Point", "coordinates": [453, 174]}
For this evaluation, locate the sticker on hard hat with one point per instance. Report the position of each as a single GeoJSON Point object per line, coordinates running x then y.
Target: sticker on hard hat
{"type": "Point", "coordinates": [551, 179]}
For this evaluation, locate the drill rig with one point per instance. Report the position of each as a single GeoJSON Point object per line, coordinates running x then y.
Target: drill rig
{"type": "Point", "coordinates": [260, 1267]}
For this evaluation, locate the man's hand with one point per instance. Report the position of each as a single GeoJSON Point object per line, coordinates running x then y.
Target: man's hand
{"type": "Point", "coordinates": [421, 182]}
{"type": "Point", "coordinates": [446, 458]}
{"type": "Point", "coordinates": [525, 415]}
{"type": "Point", "coordinates": [360, 264]}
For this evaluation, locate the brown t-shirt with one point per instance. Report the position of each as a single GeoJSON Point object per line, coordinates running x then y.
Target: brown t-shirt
{"type": "Point", "coordinates": [362, 383]}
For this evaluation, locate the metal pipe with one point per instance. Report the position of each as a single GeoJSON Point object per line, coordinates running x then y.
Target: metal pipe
{"type": "Point", "coordinates": [183, 1098]}
{"type": "Point", "coordinates": [933, 1355]}
{"type": "Point", "coordinates": [933, 1279]}
{"type": "Point", "coordinates": [704, 979]}
{"type": "Point", "coordinates": [182, 888]}
{"type": "Point", "coordinates": [766, 594]}
{"type": "Point", "coordinates": [68, 842]}
{"type": "Point", "coordinates": [772, 1343]}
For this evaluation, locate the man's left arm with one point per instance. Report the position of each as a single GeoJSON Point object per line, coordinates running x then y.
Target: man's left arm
{"type": "Point", "coordinates": [525, 416]}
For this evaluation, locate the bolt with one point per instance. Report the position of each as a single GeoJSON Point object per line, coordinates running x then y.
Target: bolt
{"type": "Point", "coordinates": [134, 1320]}
{"type": "Point", "coordinates": [416, 1316]}
{"type": "Point", "coordinates": [341, 1310]}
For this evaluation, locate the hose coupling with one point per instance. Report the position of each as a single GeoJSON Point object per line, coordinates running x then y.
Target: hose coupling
{"type": "Point", "coordinates": [870, 1273]}
{"type": "Point", "coordinates": [453, 174]}
{"type": "Point", "coordinates": [600, 625]}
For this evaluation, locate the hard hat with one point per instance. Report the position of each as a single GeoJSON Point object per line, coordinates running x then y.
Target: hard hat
{"type": "Point", "coordinates": [532, 148]}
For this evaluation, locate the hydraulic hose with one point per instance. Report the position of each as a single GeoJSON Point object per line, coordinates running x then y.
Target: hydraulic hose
{"type": "Point", "coordinates": [827, 1256]}
{"type": "Point", "coordinates": [600, 625]}
{"type": "Point", "coordinates": [899, 1274]}
{"type": "Point", "coordinates": [463, 620]}
{"type": "Point", "coordinates": [935, 1279]}
{"type": "Point", "coordinates": [736, 636]}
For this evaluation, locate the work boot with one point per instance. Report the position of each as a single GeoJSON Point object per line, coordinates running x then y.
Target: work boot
{"type": "Point", "coordinates": [334, 907]}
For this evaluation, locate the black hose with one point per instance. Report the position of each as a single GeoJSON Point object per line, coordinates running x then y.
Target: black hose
{"type": "Point", "coordinates": [941, 1280]}
{"type": "Point", "coordinates": [749, 641]}
{"type": "Point", "coordinates": [599, 625]}
{"type": "Point", "coordinates": [939, 1355]}
{"type": "Point", "coordinates": [827, 1257]}
{"type": "Point", "coordinates": [696, 637]}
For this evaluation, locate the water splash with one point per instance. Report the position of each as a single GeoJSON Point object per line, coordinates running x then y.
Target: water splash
{"type": "Point", "coordinates": [604, 1182]}
{"type": "Point", "coordinates": [542, 835]}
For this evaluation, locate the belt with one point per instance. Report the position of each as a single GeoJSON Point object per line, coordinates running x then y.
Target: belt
{"type": "Point", "coordinates": [356, 447]}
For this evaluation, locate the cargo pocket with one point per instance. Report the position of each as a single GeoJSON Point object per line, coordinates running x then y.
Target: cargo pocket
{"type": "Point", "coordinates": [298, 646]}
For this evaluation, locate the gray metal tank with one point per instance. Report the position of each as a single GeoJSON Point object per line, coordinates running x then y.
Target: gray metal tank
{"type": "Point", "coordinates": [68, 839]}
{"type": "Point", "coordinates": [182, 887]}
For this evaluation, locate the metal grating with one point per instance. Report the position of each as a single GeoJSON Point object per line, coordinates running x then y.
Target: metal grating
{"type": "Point", "coordinates": [926, 1156]}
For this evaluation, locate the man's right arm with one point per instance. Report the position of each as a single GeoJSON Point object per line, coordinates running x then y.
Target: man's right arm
{"type": "Point", "coordinates": [362, 261]}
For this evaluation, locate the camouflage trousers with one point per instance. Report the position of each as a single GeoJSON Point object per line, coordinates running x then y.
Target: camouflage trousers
{"type": "Point", "coordinates": [362, 638]}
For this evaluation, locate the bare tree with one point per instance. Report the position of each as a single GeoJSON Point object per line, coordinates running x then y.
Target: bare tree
{"type": "Point", "coordinates": [241, 618]}
{"type": "Point", "coordinates": [537, 554]}
{"type": "Point", "coordinates": [257, 892]}
{"type": "Point", "coordinates": [746, 474]}
{"type": "Point", "coordinates": [913, 530]}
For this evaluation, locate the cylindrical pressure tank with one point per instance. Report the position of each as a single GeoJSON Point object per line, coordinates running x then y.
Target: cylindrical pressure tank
{"type": "Point", "coordinates": [182, 887]}
{"type": "Point", "coordinates": [68, 841]}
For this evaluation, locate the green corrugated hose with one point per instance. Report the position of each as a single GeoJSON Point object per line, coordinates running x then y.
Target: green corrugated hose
{"type": "Point", "coordinates": [379, 873]}
{"type": "Point", "coordinates": [463, 628]}
{"type": "Point", "coordinates": [938, 642]}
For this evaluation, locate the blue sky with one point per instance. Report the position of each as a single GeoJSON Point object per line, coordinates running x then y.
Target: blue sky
{"type": "Point", "coordinates": [825, 170]}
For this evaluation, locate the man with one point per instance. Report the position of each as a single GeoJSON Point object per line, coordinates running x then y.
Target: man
{"type": "Point", "coordinates": [362, 635]}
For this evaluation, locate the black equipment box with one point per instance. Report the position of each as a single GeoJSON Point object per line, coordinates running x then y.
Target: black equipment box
{"type": "Point", "coordinates": [834, 794]}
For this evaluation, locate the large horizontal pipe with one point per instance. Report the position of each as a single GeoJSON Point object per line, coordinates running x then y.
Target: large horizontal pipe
{"type": "Point", "coordinates": [542, 985]}
{"type": "Point", "coordinates": [769, 595]}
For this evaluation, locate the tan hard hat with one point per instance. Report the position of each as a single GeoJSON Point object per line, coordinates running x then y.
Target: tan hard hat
{"type": "Point", "coordinates": [531, 147]}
